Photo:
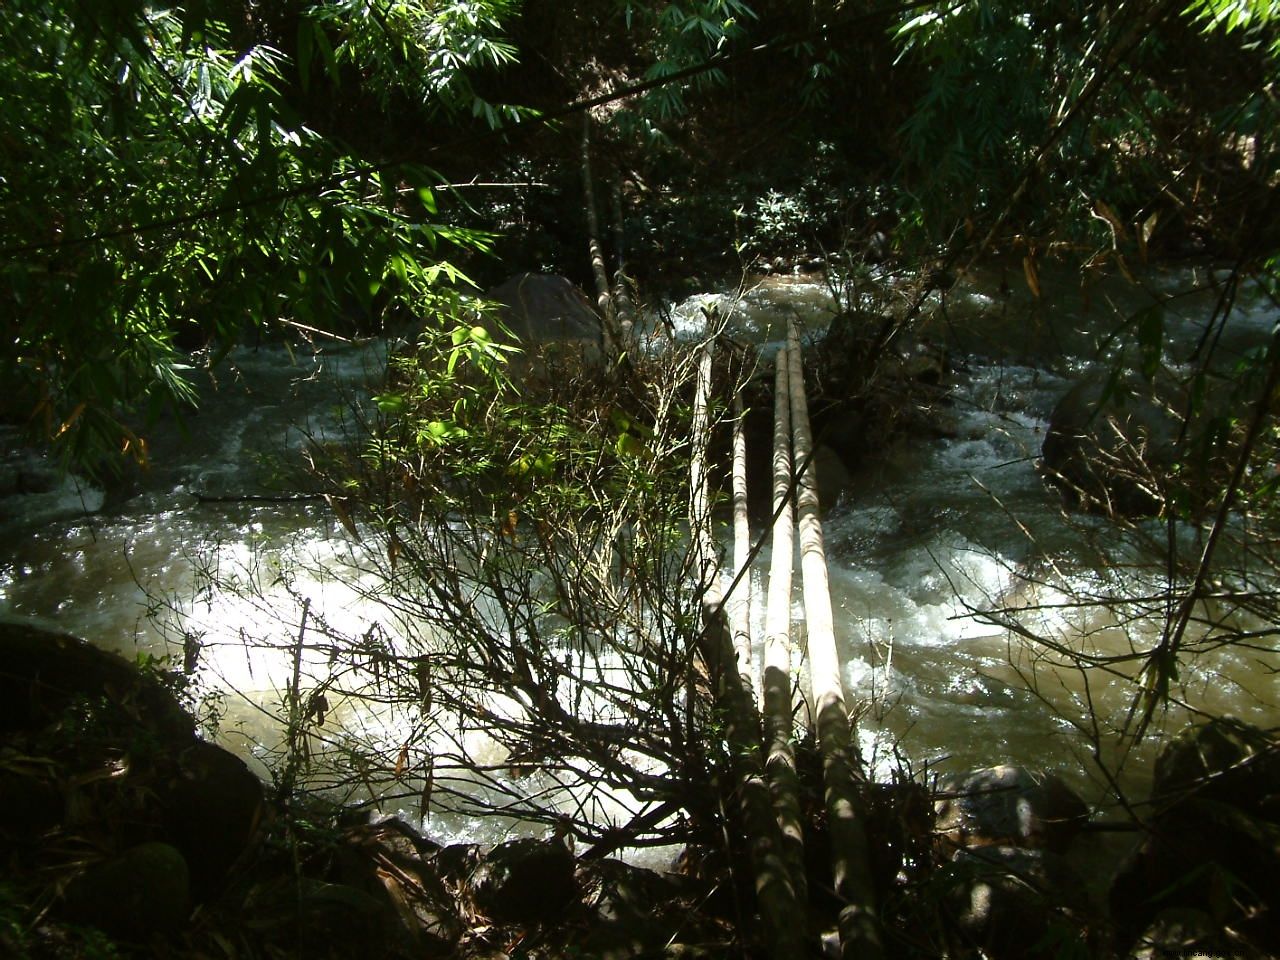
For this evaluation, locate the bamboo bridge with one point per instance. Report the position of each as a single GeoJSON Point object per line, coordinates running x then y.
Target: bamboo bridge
{"type": "Point", "coordinates": [762, 739]}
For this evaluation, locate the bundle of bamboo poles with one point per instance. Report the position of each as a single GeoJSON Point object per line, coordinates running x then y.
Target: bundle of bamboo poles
{"type": "Point", "coordinates": [775, 893]}
{"type": "Point", "coordinates": [768, 784]}
{"type": "Point", "coordinates": [843, 777]}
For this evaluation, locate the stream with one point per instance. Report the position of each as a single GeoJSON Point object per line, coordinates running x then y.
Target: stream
{"type": "Point", "coordinates": [921, 540]}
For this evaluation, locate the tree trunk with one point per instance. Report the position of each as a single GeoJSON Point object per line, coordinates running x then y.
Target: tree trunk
{"type": "Point", "coordinates": [842, 775]}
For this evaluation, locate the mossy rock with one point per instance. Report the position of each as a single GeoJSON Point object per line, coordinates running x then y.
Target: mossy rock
{"type": "Point", "coordinates": [142, 891]}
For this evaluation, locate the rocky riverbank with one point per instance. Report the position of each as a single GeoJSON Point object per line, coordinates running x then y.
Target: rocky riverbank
{"type": "Point", "coordinates": [122, 833]}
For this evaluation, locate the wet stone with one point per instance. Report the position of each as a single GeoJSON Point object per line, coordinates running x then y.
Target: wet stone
{"type": "Point", "coordinates": [1012, 902]}
{"type": "Point", "coordinates": [1008, 805]}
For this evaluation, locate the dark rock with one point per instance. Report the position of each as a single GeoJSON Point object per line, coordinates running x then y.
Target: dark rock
{"type": "Point", "coordinates": [46, 673]}
{"type": "Point", "coordinates": [1117, 446]}
{"type": "Point", "coordinates": [1224, 760]}
{"type": "Point", "coordinates": [1107, 446]}
{"type": "Point", "coordinates": [1013, 902]}
{"type": "Point", "coordinates": [634, 912]}
{"type": "Point", "coordinates": [458, 861]}
{"type": "Point", "coordinates": [311, 915]}
{"type": "Point", "coordinates": [396, 836]}
{"type": "Point", "coordinates": [524, 881]}
{"type": "Point", "coordinates": [832, 475]}
{"type": "Point", "coordinates": [1206, 855]}
{"type": "Point", "coordinates": [1214, 841]}
{"type": "Point", "coordinates": [214, 806]}
{"type": "Point", "coordinates": [544, 310]}
{"type": "Point", "coordinates": [88, 708]}
{"type": "Point", "coordinates": [142, 891]}
{"type": "Point", "coordinates": [31, 804]}
{"type": "Point", "coordinates": [865, 395]}
{"type": "Point", "coordinates": [1008, 806]}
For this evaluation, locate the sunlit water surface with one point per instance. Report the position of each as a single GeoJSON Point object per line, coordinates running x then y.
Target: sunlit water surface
{"type": "Point", "coordinates": [927, 536]}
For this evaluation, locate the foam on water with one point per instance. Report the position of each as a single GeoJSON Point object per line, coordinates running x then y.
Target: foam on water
{"type": "Point", "coordinates": [963, 524]}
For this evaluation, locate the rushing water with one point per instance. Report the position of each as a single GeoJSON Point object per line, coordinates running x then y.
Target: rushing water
{"type": "Point", "coordinates": [924, 538]}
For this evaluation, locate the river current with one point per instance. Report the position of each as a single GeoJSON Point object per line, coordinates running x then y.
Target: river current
{"type": "Point", "coordinates": [921, 541]}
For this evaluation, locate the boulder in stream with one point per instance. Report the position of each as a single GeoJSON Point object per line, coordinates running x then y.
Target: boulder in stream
{"type": "Point", "coordinates": [1225, 760]}
{"type": "Point", "coordinates": [143, 890]}
{"type": "Point", "coordinates": [1008, 805]}
{"type": "Point", "coordinates": [1117, 445]}
{"type": "Point", "coordinates": [548, 314]}
{"type": "Point", "coordinates": [110, 753]}
{"type": "Point", "coordinates": [214, 806]}
{"type": "Point", "coordinates": [48, 673]}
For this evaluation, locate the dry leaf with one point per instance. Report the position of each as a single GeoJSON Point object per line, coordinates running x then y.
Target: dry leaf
{"type": "Point", "coordinates": [424, 807]}
{"type": "Point", "coordinates": [339, 507]}
{"type": "Point", "coordinates": [1032, 275]}
{"type": "Point", "coordinates": [1102, 210]}
{"type": "Point", "coordinates": [1144, 232]}
{"type": "Point", "coordinates": [71, 419]}
{"type": "Point", "coordinates": [509, 525]}
{"type": "Point", "coordinates": [402, 761]}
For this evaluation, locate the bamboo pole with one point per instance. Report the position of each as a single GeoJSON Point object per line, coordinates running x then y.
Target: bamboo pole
{"type": "Point", "coordinates": [851, 864]}
{"type": "Point", "coordinates": [623, 306]}
{"type": "Point", "coordinates": [740, 596]}
{"type": "Point", "coordinates": [775, 895]}
{"type": "Point", "coordinates": [604, 295]}
{"type": "Point", "coordinates": [780, 763]}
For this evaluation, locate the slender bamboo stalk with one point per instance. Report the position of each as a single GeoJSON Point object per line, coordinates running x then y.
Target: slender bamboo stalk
{"type": "Point", "coordinates": [842, 775]}
{"type": "Point", "coordinates": [776, 695]}
{"type": "Point", "coordinates": [623, 306]}
{"type": "Point", "coordinates": [775, 895]}
{"type": "Point", "coordinates": [604, 296]}
{"type": "Point", "coordinates": [739, 599]}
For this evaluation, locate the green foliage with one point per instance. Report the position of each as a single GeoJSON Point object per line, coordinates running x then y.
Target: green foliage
{"type": "Point", "coordinates": [162, 191]}
{"type": "Point", "coordinates": [805, 217]}
{"type": "Point", "coordinates": [451, 432]}
{"type": "Point", "coordinates": [680, 36]}
{"type": "Point", "coordinates": [985, 104]}
{"type": "Point", "coordinates": [426, 51]}
{"type": "Point", "coordinates": [1245, 16]}
{"type": "Point", "coordinates": [1083, 124]}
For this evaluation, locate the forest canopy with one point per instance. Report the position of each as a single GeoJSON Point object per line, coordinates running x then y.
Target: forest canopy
{"type": "Point", "coordinates": [176, 175]}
